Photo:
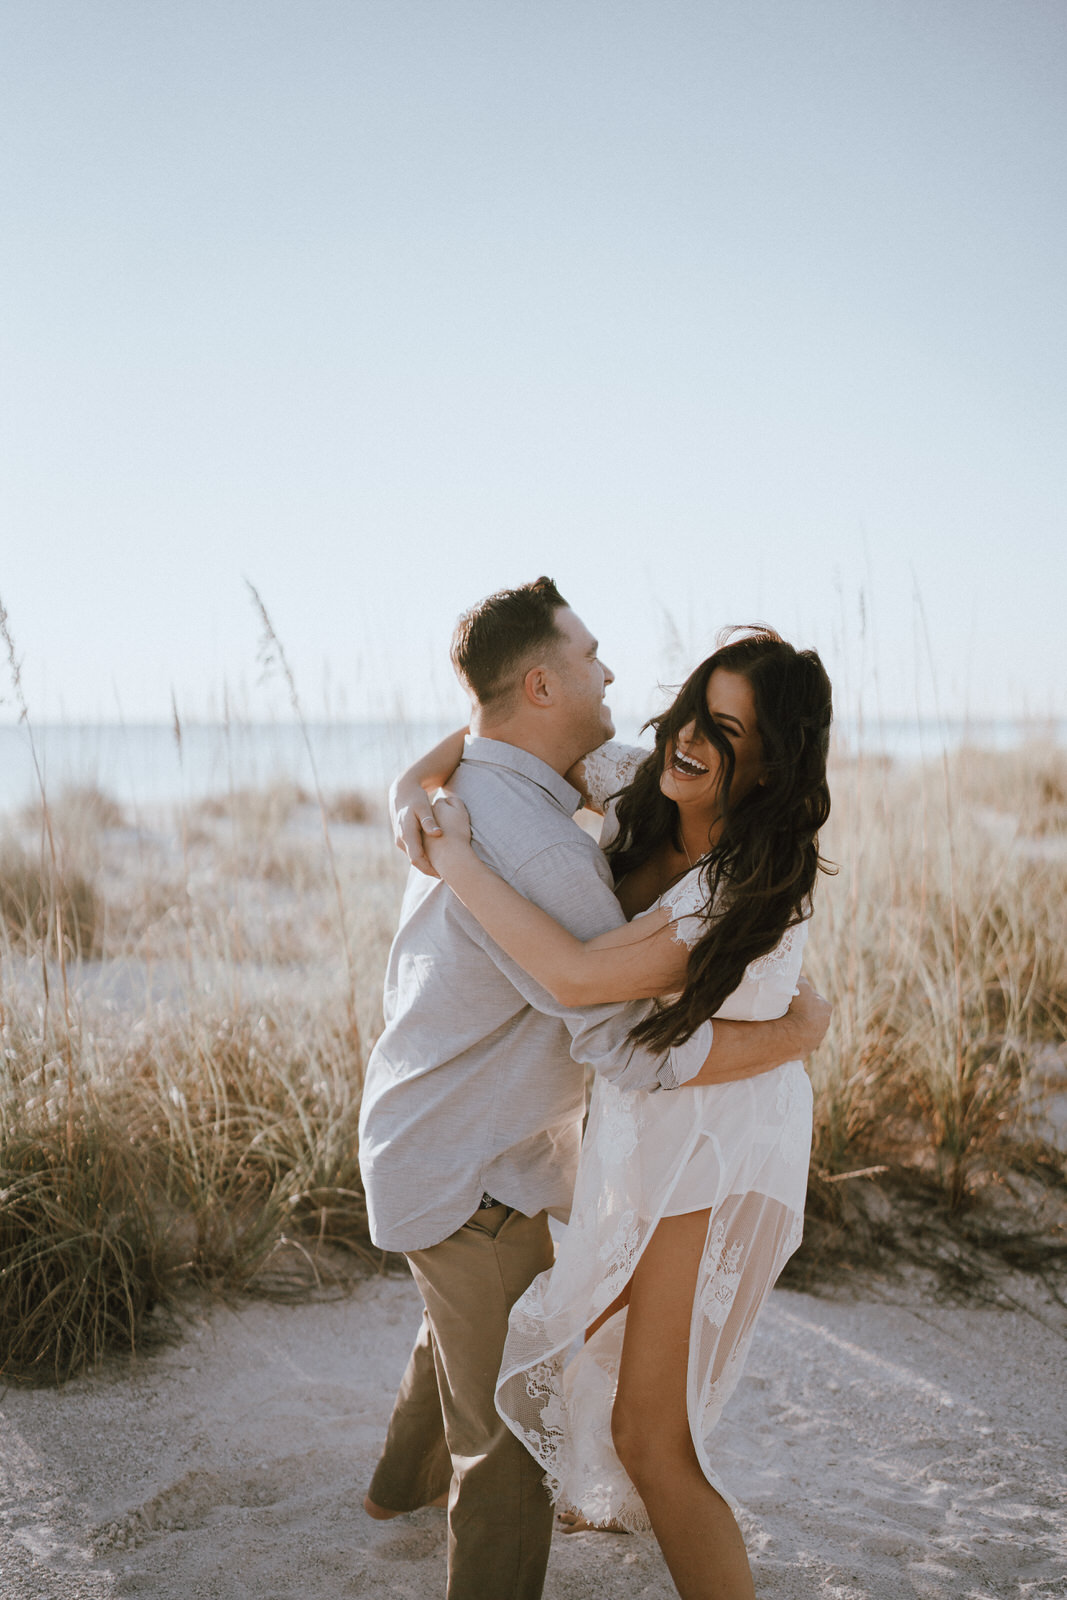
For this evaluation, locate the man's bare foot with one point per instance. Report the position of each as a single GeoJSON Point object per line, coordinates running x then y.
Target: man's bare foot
{"type": "Point", "coordinates": [574, 1522]}
{"type": "Point", "coordinates": [381, 1514]}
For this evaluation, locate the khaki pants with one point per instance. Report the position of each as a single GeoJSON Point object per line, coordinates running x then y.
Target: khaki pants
{"type": "Point", "coordinates": [445, 1434]}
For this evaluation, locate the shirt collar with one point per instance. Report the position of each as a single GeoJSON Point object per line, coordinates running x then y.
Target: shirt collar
{"type": "Point", "coordinates": [495, 753]}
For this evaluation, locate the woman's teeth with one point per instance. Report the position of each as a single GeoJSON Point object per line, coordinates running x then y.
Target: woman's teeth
{"type": "Point", "coordinates": [687, 766]}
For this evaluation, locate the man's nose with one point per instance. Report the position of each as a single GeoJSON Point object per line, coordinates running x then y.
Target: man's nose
{"type": "Point", "coordinates": [609, 676]}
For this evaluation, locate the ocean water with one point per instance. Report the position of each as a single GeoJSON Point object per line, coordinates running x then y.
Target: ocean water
{"type": "Point", "coordinates": [147, 765]}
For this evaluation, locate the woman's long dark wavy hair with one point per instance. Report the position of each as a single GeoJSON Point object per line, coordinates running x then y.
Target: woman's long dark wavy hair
{"type": "Point", "coordinates": [760, 873]}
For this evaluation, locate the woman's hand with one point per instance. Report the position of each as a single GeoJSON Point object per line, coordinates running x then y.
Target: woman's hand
{"type": "Point", "coordinates": [409, 805]}
{"type": "Point", "coordinates": [453, 824]}
{"type": "Point", "coordinates": [413, 821]}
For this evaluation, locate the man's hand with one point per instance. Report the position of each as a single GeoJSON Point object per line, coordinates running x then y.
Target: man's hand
{"type": "Point", "coordinates": [810, 1016]}
{"type": "Point", "coordinates": [413, 821]}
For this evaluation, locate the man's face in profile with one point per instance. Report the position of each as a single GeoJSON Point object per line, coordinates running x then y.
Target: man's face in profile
{"type": "Point", "coordinates": [585, 679]}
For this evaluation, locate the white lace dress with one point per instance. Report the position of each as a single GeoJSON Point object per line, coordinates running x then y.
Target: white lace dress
{"type": "Point", "coordinates": [738, 1150]}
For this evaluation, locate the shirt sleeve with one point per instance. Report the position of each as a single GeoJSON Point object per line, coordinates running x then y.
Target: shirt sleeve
{"type": "Point", "coordinates": [563, 881]}
{"type": "Point", "coordinates": [684, 1061]}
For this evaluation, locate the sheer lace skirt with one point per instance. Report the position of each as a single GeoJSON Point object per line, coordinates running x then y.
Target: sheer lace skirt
{"type": "Point", "coordinates": [739, 1151]}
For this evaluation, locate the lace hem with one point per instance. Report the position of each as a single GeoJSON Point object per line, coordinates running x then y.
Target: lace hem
{"type": "Point", "coordinates": [783, 955]}
{"type": "Point", "coordinates": [687, 902]}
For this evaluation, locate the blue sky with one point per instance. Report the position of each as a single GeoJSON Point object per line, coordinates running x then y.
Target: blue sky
{"type": "Point", "coordinates": [713, 311]}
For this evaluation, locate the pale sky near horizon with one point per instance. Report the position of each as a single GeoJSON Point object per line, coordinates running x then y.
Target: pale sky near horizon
{"type": "Point", "coordinates": [713, 311]}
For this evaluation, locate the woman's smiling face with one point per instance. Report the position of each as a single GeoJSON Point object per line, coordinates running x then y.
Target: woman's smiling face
{"type": "Point", "coordinates": [692, 772]}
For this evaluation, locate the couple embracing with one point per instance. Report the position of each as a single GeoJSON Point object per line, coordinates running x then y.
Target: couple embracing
{"type": "Point", "coordinates": [526, 953]}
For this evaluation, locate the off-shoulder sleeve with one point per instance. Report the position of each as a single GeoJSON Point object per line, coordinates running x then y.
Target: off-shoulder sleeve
{"type": "Point", "coordinates": [609, 769]}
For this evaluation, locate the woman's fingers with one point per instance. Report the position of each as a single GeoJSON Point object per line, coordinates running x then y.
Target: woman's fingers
{"type": "Point", "coordinates": [415, 825]}
{"type": "Point", "coordinates": [451, 815]}
{"type": "Point", "coordinates": [412, 814]}
{"type": "Point", "coordinates": [412, 828]}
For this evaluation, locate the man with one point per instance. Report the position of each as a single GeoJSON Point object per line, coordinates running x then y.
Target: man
{"type": "Point", "coordinates": [474, 1094]}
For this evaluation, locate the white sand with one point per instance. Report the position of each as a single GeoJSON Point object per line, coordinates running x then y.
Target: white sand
{"type": "Point", "coordinates": [883, 1449]}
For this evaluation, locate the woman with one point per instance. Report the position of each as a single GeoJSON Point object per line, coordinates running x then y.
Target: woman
{"type": "Point", "coordinates": [687, 1205]}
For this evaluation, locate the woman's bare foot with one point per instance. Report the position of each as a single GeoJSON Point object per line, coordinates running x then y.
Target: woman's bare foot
{"type": "Point", "coordinates": [381, 1514]}
{"type": "Point", "coordinates": [574, 1522]}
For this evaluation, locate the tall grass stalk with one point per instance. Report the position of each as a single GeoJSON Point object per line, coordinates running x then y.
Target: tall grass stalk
{"type": "Point", "coordinates": [272, 650]}
{"type": "Point", "coordinates": [15, 670]}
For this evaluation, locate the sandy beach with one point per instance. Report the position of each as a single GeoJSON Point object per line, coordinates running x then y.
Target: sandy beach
{"type": "Point", "coordinates": [881, 1447]}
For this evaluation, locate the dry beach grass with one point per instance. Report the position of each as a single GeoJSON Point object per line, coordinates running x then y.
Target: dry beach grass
{"type": "Point", "coordinates": [942, 944]}
{"type": "Point", "coordinates": [183, 1039]}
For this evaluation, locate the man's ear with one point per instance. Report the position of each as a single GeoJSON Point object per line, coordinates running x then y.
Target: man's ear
{"type": "Point", "coordinates": [538, 686]}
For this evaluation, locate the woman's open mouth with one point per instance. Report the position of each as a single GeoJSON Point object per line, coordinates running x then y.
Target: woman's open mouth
{"type": "Point", "coordinates": [686, 767]}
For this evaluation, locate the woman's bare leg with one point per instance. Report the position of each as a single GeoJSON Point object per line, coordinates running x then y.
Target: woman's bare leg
{"type": "Point", "coordinates": [697, 1532]}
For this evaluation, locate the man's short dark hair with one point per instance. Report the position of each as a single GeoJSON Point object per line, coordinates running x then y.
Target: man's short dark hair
{"type": "Point", "coordinates": [501, 634]}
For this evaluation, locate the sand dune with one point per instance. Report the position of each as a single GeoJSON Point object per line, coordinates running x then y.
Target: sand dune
{"type": "Point", "coordinates": [881, 1448]}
